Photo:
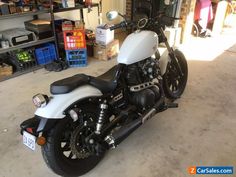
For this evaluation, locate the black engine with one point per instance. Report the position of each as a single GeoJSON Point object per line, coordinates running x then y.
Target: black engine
{"type": "Point", "coordinates": [143, 78]}
{"type": "Point", "coordinates": [142, 72]}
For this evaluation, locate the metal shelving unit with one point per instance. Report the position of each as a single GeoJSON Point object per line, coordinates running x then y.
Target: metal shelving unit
{"type": "Point", "coordinates": [29, 44]}
{"type": "Point", "coordinates": [23, 14]}
{"type": "Point", "coordinates": [35, 14]}
{"type": "Point", "coordinates": [68, 9]}
{"type": "Point", "coordinates": [19, 73]}
{"type": "Point", "coordinates": [77, 7]}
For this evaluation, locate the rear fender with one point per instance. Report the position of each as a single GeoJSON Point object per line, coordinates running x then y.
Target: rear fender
{"type": "Point", "coordinates": [46, 124]}
{"type": "Point", "coordinates": [36, 125]}
{"type": "Point", "coordinates": [59, 103]}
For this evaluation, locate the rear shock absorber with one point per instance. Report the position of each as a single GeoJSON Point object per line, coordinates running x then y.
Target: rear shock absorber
{"type": "Point", "coordinates": [102, 116]}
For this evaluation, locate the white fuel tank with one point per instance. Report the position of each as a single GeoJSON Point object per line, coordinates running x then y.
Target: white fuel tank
{"type": "Point", "coordinates": [137, 47]}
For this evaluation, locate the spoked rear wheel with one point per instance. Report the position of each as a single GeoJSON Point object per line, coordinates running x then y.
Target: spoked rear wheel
{"type": "Point", "coordinates": [66, 152]}
{"type": "Point", "coordinates": [173, 82]}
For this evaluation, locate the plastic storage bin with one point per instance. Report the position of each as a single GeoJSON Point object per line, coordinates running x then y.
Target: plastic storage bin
{"type": "Point", "coordinates": [77, 58]}
{"type": "Point", "coordinates": [74, 39]}
{"type": "Point", "coordinates": [46, 54]}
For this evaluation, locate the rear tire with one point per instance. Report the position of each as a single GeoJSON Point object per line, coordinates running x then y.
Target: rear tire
{"type": "Point", "coordinates": [55, 158]}
{"type": "Point", "coordinates": [173, 83]}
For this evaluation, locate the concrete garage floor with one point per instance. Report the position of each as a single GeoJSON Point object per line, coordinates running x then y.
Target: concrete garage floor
{"type": "Point", "coordinates": [200, 132]}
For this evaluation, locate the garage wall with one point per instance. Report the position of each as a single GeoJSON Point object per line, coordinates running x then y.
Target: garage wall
{"type": "Point", "coordinates": [187, 15]}
{"type": "Point", "coordinates": [91, 19]}
{"type": "Point", "coordinates": [108, 5]}
{"type": "Point", "coordinates": [13, 23]}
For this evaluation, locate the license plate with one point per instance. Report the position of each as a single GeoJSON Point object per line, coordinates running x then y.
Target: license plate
{"type": "Point", "coordinates": [29, 140]}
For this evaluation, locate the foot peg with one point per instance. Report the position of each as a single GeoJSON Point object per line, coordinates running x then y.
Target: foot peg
{"type": "Point", "coordinates": [172, 105]}
{"type": "Point", "coordinates": [168, 105]}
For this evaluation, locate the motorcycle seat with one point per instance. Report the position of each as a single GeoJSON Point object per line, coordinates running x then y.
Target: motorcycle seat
{"type": "Point", "coordinates": [67, 85]}
{"type": "Point", "coordinates": [106, 82]}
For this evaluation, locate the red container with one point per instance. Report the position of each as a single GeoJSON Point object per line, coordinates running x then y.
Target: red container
{"type": "Point", "coordinates": [74, 39]}
{"type": "Point", "coordinates": [88, 2]}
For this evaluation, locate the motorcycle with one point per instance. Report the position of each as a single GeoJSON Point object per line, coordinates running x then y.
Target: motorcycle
{"type": "Point", "coordinates": [86, 116]}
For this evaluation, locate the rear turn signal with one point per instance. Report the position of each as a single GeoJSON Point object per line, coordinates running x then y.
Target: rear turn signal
{"type": "Point", "coordinates": [41, 141]}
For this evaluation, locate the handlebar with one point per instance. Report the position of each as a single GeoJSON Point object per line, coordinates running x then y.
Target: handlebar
{"type": "Point", "coordinates": [161, 19]}
{"type": "Point", "coordinates": [117, 26]}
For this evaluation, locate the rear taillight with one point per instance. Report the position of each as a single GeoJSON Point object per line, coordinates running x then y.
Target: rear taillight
{"type": "Point", "coordinates": [30, 130]}
{"type": "Point", "coordinates": [40, 100]}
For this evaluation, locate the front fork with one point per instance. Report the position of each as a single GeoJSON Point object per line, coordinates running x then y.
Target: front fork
{"type": "Point", "coordinates": [171, 52]}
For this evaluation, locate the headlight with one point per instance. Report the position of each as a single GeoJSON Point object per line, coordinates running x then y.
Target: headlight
{"type": "Point", "coordinates": [40, 100]}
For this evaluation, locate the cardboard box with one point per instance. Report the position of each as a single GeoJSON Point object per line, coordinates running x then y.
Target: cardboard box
{"type": "Point", "coordinates": [79, 24]}
{"type": "Point", "coordinates": [106, 52]}
{"type": "Point", "coordinates": [104, 36]}
{"type": "Point", "coordinates": [67, 26]}
{"type": "Point", "coordinates": [5, 70]}
{"type": "Point", "coordinates": [12, 8]}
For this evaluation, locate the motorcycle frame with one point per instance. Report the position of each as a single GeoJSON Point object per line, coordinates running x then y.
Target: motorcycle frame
{"type": "Point", "coordinates": [57, 108]}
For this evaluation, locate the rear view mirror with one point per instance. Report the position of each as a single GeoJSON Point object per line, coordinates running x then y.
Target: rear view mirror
{"type": "Point", "coordinates": [112, 15]}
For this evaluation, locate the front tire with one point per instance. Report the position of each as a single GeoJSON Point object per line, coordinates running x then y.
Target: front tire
{"type": "Point", "coordinates": [55, 158]}
{"type": "Point", "coordinates": [173, 83]}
